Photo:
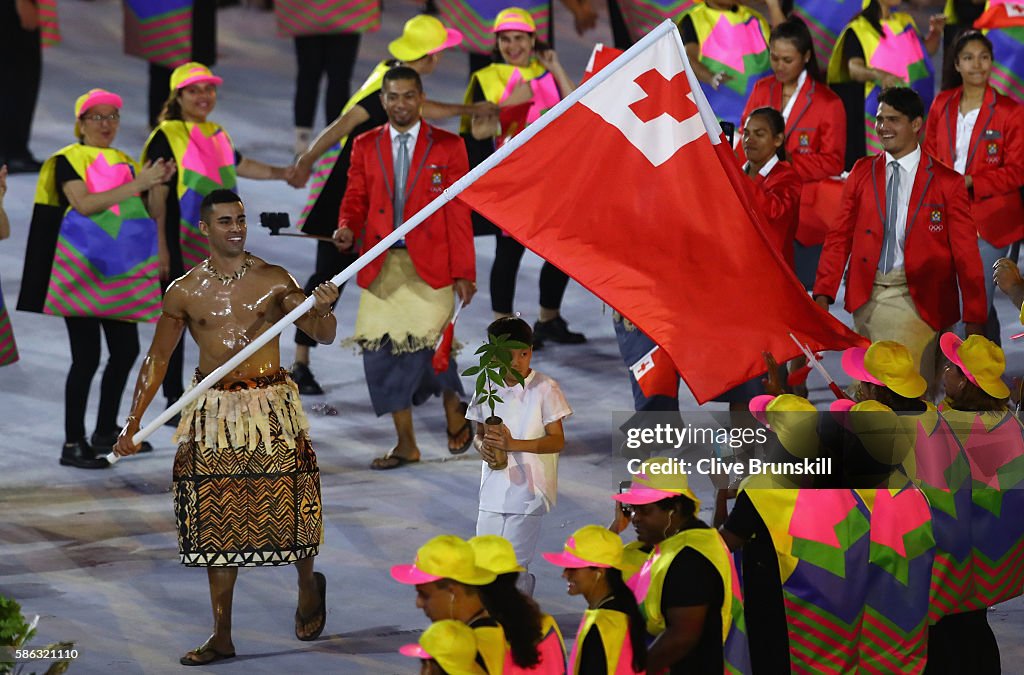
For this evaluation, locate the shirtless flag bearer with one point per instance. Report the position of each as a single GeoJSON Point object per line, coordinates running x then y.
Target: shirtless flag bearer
{"type": "Point", "coordinates": [246, 483]}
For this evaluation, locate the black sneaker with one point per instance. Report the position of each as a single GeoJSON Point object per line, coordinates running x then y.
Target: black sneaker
{"type": "Point", "coordinates": [104, 443]}
{"type": "Point", "coordinates": [556, 330]}
{"type": "Point", "coordinates": [303, 377]}
{"type": "Point", "coordinates": [81, 456]}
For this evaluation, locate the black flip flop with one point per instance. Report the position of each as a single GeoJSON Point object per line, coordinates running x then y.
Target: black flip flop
{"type": "Point", "coordinates": [321, 582]}
{"type": "Point", "coordinates": [468, 426]}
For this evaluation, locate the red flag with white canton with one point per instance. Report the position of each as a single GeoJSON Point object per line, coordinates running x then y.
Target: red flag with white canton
{"type": "Point", "coordinates": [627, 192]}
{"type": "Point", "coordinates": [656, 375]}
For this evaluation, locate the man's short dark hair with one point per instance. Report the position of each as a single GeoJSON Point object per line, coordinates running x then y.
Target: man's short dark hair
{"type": "Point", "coordinates": [402, 73]}
{"type": "Point", "coordinates": [514, 327]}
{"type": "Point", "coordinates": [216, 197]}
{"type": "Point", "coordinates": [904, 100]}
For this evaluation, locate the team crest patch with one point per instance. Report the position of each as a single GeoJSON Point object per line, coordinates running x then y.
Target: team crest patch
{"type": "Point", "coordinates": [804, 139]}
{"type": "Point", "coordinates": [936, 221]}
{"type": "Point", "coordinates": [992, 152]}
{"type": "Point", "coordinates": [436, 177]}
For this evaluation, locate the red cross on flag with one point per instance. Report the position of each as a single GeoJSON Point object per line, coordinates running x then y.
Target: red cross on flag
{"type": "Point", "coordinates": [655, 374]}
{"type": "Point", "coordinates": [623, 187]}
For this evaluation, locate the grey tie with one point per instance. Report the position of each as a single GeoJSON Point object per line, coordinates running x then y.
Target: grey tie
{"type": "Point", "coordinates": [892, 192]}
{"type": "Point", "coordinates": [401, 175]}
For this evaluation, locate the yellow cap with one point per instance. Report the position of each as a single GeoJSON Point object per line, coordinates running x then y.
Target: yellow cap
{"type": "Point", "coordinates": [422, 35]}
{"type": "Point", "coordinates": [451, 643]}
{"type": "Point", "coordinates": [886, 436]}
{"type": "Point", "coordinates": [495, 554]}
{"type": "Point", "coordinates": [891, 363]}
{"type": "Point", "coordinates": [658, 478]}
{"type": "Point", "coordinates": [192, 73]}
{"type": "Point", "coordinates": [589, 546]}
{"type": "Point", "coordinates": [981, 360]}
{"type": "Point", "coordinates": [794, 420]}
{"type": "Point", "coordinates": [514, 18]}
{"type": "Point", "coordinates": [443, 557]}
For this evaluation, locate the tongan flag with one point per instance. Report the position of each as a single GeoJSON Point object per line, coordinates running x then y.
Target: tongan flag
{"type": "Point", "coordinates": [624, 189]}
{"type": "Point", "coordinates": [1001, 15]}
{"type": "Point", "coordinates": [656, 375]}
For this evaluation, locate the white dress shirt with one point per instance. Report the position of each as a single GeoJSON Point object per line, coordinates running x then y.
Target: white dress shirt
{"type": "Point", "coordinates": [413, 132]}
{"type": "Point", "coordinates": [767, 168]}
{"type": "Point", "coordinates": [792, 99]}
{"type": "Point", "coordinates": [964, 130]}
{"type": "Point", "coordinates": [908, 167]}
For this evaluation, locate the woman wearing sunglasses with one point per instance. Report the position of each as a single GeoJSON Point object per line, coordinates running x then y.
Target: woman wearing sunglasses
{"type": "Point", "coordinates": [92, 259]}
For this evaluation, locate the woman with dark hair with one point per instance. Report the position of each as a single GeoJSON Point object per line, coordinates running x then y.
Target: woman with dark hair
{"type": "Point", "coordinates": [979, 133]}
{"type": "Point", "coordinates": [976, 410]}
{"type": "Point", "coordinates": [776, 184]}
{"type": "Point", "coordinates": [878, 49]}
{"type": "Point", "coordinates": [815, 132]}
{"type": "Point", "coordinates": [688, 588]}
{"type": "Point", "coordinates": [526, 79]}
{"type": "Point", "coordinates": [206, 160]}
{"type": "Point", "coordinates": [76, 269]}
{"type": "Point", "coordinates": [535, 644]}
{"type": "Point", "coordinates": [612, 638]}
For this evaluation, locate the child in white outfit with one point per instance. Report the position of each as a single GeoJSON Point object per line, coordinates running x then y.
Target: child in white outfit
{"type": "Point", "coordinates": [513, 499]}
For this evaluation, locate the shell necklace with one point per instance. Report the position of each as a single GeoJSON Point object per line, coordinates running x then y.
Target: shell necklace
{"type": "Point", "coordinates": [228, 278]}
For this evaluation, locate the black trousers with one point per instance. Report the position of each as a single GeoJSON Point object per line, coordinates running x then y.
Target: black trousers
{"type": "Point", "coordinates": [329, 261]}
{"type": "Point", "coordinates": [963, 643]}
{"type": "Point", "coordinates": [204, 50]}
{"type": "Point", "coordinates": [318, 55]}
{"type": "Point", "coordinates": [21, 68]}
{"type": "Point", "coordinates": [508, 253]}
{"type": "Point", "coordinates": [174, 382]}
{"type": "Point", "coordinates": [123, 348]}
{"type": "Point", "coordinates": [620, 32]}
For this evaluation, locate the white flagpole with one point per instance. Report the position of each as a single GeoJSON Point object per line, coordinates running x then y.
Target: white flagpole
{"type": "Point", "coordinates": [365, 259]}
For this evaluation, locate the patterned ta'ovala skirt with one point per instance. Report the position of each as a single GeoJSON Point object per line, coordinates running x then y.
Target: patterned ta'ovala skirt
{"type": "Point", "coordinates": [246, 482]}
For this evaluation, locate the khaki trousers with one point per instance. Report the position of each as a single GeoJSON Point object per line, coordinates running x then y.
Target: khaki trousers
{"type": "Point", "coordinates": [890, 314]}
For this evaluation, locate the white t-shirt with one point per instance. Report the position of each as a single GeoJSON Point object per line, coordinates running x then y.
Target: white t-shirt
{"type": "Point", "coordinates": [529, 484]}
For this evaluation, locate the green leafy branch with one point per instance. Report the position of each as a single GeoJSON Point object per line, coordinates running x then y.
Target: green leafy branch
{"type": "Point", "coordinates": [15, 632]}
{"type": "Point", "coordinates": [493, 369]}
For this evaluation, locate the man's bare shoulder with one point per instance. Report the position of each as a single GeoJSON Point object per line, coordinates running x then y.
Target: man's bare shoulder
{"type": "Point", "coordinates": [187, 283]}
{"type": "Point", "coordinates": [275, 276]}
{"type": "Point", "coordinates": [181, 292]}
{"type": "Point", "coordinates": [269, 271]}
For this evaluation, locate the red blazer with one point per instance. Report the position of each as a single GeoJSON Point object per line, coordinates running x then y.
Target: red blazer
{"type": "Point", "coordinates": [941, 253]}
{"type": "Point", "coordinates": [995, 160]}
{"type": "Point", "coordinates": [777, 195]}
{"type": "Point", "coordinates": [441, 247]}
{"type": "Point", "coordinates": [815, 130]}
{"type": "Point", "coordinates": [815, 144]}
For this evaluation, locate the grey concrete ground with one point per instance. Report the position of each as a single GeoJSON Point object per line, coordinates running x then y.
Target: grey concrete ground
{"type": "Point", "coordinates": [94, 553]}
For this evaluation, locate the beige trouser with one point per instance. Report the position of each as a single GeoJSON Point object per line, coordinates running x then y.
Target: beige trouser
{"type": "Point", "coordinates": [890, 314]}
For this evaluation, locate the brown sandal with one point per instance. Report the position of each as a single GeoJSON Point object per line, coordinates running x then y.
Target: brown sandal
{"type": "Point", "coordinates": [205, 649]}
